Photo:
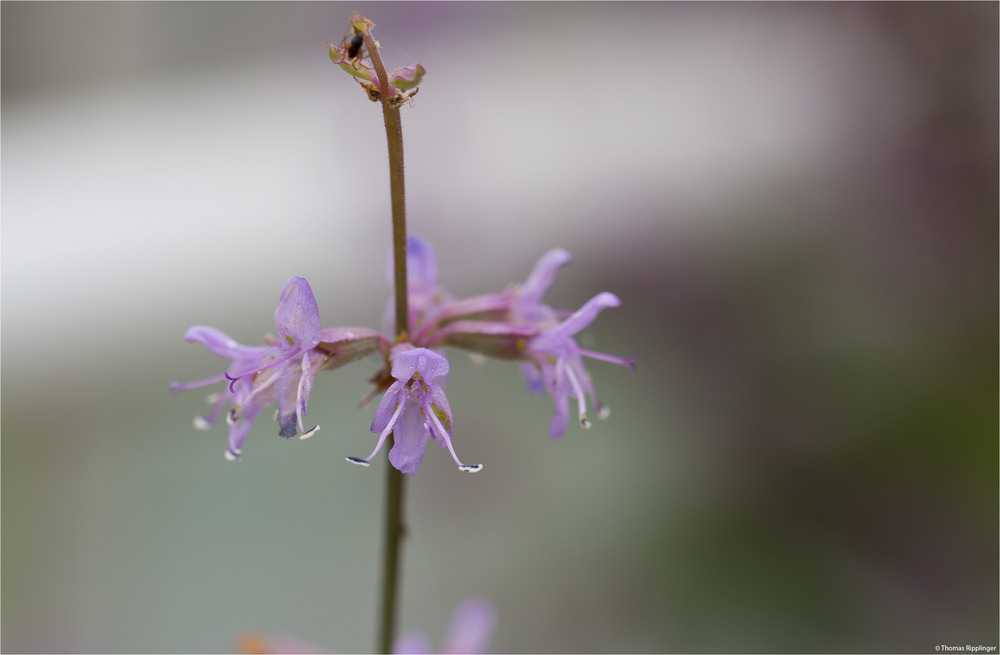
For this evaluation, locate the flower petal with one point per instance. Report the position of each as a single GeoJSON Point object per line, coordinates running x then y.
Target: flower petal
{"type": "Point", "coordinates": [421, 265]}
{"type": "Point", "coordinates": [421, 281]}
{"type": "Point", "coordinates": [532, 377]}
{"type": "Point", "coordinates": [580, 319]}
{"type": "Point", "coordinates": [239, 429]}
{"type": "Point", "coordinates": [222, 344]}
{"type": "Point", "coordinates": [472, 626]}
{"type": "Point", "coordinates": [560, 418]}
{"type": "Point", "coordinates": [437, 402]}
{"type": "Point", "coordinates": [412, 643]}
{"type": "Point", "coordinates": [428, 363]}
{"type": "Point", "coordinates": [394, 395]}
{"type": "Point", "coordinates": [410, 435]}
{"type": "Point", "coordinates": [297, 317]}
{"type": "Point", "coordinates": [542, 276]}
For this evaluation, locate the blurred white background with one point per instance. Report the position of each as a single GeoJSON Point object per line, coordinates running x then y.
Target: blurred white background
{"type": "Point", "coordinates": [796, 204]}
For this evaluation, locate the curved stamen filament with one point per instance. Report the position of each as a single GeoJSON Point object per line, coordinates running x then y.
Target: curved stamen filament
{"type": "Point", "coordinates": [623, 361]}
{"type": "Point", "coordinates": [259, 370]}
{"type": "Point", "coordinates": [581, 398]}
{"type": "Point", "coordinates": [429, 413]}
{"type": "Point", "coordinates": [305, 386]}
{"type": "Point", "coordinates": [184, 386]}
{"type": "Point", "coordinates": [385, 432]}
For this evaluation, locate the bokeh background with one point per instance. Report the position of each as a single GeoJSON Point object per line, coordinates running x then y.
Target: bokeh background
{"type": "Point", "coordinates": [796, 203]}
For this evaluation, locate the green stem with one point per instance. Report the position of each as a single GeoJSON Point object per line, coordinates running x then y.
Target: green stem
{"type": "Point", "coordinates": [394, 489]}
{"type": "Point", "coordinates": [394, 529]}
{"type": "Point", "coordinates": [394, 135]}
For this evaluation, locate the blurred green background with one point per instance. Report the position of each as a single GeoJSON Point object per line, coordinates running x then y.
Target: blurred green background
{"type": "Point", "coordinates": [796, 203]}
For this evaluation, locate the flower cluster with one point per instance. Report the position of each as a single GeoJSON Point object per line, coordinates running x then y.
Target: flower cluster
{"type": "Point", "coordinates": [514, 325]}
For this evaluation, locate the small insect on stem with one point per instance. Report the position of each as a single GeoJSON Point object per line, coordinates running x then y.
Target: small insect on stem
{"type": "Point", "coordinates": [354, 48]}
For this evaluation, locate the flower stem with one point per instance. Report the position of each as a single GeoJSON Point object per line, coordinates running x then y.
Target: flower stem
{"type": "Point", "coordinates": [391, 561]}
{"type": "Point", "coordinates": [394, 135]}
{"type": "Point", "coordinates": [394, 489]}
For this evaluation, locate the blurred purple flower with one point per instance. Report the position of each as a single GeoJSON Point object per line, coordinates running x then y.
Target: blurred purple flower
{"type": "Point", "coordinates": [527, 307]}
{"type": "Point", "coordinates": [471, 629]}
{"type": "Point", "coordinates": [555, 359]}
{"type": "Point", "coordinates": [414, 409]}
{"type": "Point", "coordinates": [556, 362]}
{"type": "Point", "coordinates": [517, 325]}
{"type": "Point", "coordinates": [425, 294]}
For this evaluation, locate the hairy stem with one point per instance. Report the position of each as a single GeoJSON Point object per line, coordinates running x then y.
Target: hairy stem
{"type": "Point", "coordinates": [394, 489]}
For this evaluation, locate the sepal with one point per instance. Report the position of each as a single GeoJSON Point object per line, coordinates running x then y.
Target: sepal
{"type": "Point", "coordinates": [407, 77]}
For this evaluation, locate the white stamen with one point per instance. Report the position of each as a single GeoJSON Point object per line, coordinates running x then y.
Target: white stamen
{"type": "Point", "coordinates": [621, 361]}
{"type": "Point", "coordinates": [478, 359]}
{"type": "Point", "coordinates": [581, 400]}
{"type": "Point", "coordinates": [304, 388]}
{"type": "Point", "coordinates": [201, 423]}
{"type": "Point", "coordinates": [358, 461]}
{"type": "Point", "coordinates": [230, 416]}
{"type": "Point", "coordinates": [585, 422]}
{"type": "Point", "coordinates": [306, 435]}
{"type": "Point", "coordinates": [447, 440]}
{"type": "Point", "coordinates": [604, 412]}
{"type": "Point", "coordinates": [213, 398]}
{"type": "Point", "coordinates": [388, 427]}
{"type": "Point", "coordinates": [233, 456]}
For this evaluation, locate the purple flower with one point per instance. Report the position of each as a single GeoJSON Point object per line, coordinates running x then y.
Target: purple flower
{"type": "Point", "coordinates": [414, 409]}
{"type": "Point", "coordinates": [556, 363]}
{"type": "Point", "coordinates": [472, 626]}
{"type": "Point", "coordinates": [425, 294]}
{"type": "Point", "coordinates": [539, 337]}
{"type": "Point", "coordinates": [287, 371]}
{"type": "Point", "coordinates": [527, 307]}
{"type": "Point", "coordinates": [555, 360]}
{"type": "Point", "coordinates": [282, 372]}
